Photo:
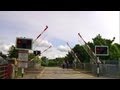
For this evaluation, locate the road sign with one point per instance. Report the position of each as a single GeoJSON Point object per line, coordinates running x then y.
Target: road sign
{"type": "Point", "coordinates": [23, 58]}
{"type": "Point", "coordinates": [101, 50]}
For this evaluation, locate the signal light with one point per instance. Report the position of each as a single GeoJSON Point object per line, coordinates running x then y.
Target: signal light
{"type": "Point", "coordinates": [37, 53]}
{"type": "Point", "coordinates": [23, 43]}
{"type": "Point", "coordinates": [101, 50]}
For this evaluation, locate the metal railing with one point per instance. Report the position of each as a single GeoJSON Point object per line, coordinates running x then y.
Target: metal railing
{"type": "Point", "coordinates": [5, 71]}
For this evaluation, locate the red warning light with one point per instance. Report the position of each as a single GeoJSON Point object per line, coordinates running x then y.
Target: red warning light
{"type": "Point", "coordinates": [22, 43]}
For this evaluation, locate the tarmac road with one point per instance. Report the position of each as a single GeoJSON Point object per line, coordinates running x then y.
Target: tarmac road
{"type": "Point", "coordinates": [59, 73]}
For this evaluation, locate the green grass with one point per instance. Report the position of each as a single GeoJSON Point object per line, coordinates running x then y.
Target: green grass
{"type": "Point", "coordinates": [18, 73]}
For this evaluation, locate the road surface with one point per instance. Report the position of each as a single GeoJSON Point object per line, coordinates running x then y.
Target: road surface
{"type": "Point", "coordinates": [59, 73]}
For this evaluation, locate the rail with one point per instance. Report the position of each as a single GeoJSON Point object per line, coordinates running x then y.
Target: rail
{"type": "Point", "coordinates": [5, 71]}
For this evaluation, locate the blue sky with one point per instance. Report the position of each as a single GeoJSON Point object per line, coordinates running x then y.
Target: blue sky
{"type": "Point", "coordinates": [62, 26]}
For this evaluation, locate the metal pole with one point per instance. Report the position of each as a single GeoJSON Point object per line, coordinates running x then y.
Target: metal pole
{"type": "Point", "coordinates": [98, 67]}
{"type": "Point", "coordinates": [75, 63]}
{"type": "Point", "coordinates": [22, 72]}
{"type": "Point", "coordinates": [74, 54]}
{"type": "Point", "coordinates": [46, 49]}
{"type": "Point", "coordinates": [90, 52]}
{"type": "Point", "coordinates": [41, 34]}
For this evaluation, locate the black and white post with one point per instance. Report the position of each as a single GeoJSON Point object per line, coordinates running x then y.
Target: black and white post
{"type": "Point", "coordinates": [98, 67]}
{"type": "Point", "coordinates": [22, 72]}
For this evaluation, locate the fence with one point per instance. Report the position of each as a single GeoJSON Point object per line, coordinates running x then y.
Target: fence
{"type": "Point", "coordinates": [108, 70]}
{"type": "Point", "coordinates": [5, 71]}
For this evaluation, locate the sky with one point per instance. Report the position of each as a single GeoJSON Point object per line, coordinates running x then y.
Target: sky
{"type": "Point", "coordinates": [63, 26]}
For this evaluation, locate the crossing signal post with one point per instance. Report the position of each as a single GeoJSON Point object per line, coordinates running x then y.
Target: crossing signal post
{"type": "Point", "coordinates": [98, 67]}
{"type": "Point", "coordinates": [23, 45]}
{"type": "Point", "coordinates": [100, 51]}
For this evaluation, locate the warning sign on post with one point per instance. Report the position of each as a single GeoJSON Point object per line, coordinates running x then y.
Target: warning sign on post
{"type": "Point", "coordinates": [23, 58]}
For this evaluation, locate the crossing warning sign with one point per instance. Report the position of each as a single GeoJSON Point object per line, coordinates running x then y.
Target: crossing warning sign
{"type": "Point", "coordinates": [23, 58]}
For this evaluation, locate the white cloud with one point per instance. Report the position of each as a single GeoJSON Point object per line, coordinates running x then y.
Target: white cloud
{"type": "Point", "coordinates": [62, 25]}
{"type": "Point", "coordinates": [66, 25]}
{"type": "Point", "coordinates": [63, 48]}
{"type": "Point", "coordinates": [54, 53]}
{"type": "Point", "coordinates": [5, 47]}
{"type": "Point", "coordinates": [42, 43]}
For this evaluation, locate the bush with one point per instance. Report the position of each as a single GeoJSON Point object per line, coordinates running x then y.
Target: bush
{"type": "Point", "coordinates": [43, 63]}
{"type": "Point", "coordinates": [52, 63]}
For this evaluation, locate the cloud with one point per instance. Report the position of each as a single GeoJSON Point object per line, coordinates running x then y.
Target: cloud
{"type": "Point", "coordinates": [51, 53]}
{"type": "Point", "coordinates": [62, 27]}
{"type": "Point", "coordinates": [42, 43]}
{"type": "Point", "coordinates": [63, 48]}
{"type": "Point", "coordinates": [5, 47]}
{"type": "Point", "coordinates": [54, 53]}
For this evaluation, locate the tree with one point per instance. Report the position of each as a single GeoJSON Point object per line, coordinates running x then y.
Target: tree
{"type": "Point", "coordinates": [44, 62]}
{"type": "Point", "coordinates": [69, 57]}
{"type": "Point", "coordinates": [92, 46]}
{"type": "Point", "coordinates": [59, 61]}
{"type": "Point", "coordinates": [13, 52]}
{"type": "Point", "coordinates": [81, 53]}
{"type": "Point", "coordinates": [114, 50]}
{"type": "Point", "coordinates": [4, 56]}
{"type": "Point", "coordinates": [44, 58]}
{"type": "Point", "coordinates": [98, 40]}
{"type": "Point", "coordinates": [31, 56]}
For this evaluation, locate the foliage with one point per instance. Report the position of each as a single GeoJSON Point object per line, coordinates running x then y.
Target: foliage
{"type": "Point", "coordinates": [59, 61]}
{"type": "Point", "coordinates": [3, 55]}
{"type": "Point", "coordinates": [52, 63]}
{"type": "Point", "coordinates": [36, 59]}
{"type": "Point", "coordinates": [44, 62]}
{"type": "Point", "coordinates": [13, 52]}
{"type": "Point", "coordinates": [81, 53]}
{"type": "Point", "coordinates": [31, 56]}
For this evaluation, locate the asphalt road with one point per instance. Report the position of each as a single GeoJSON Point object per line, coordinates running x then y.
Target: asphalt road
{"type": "Point", "coordinates": [59, 73]}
